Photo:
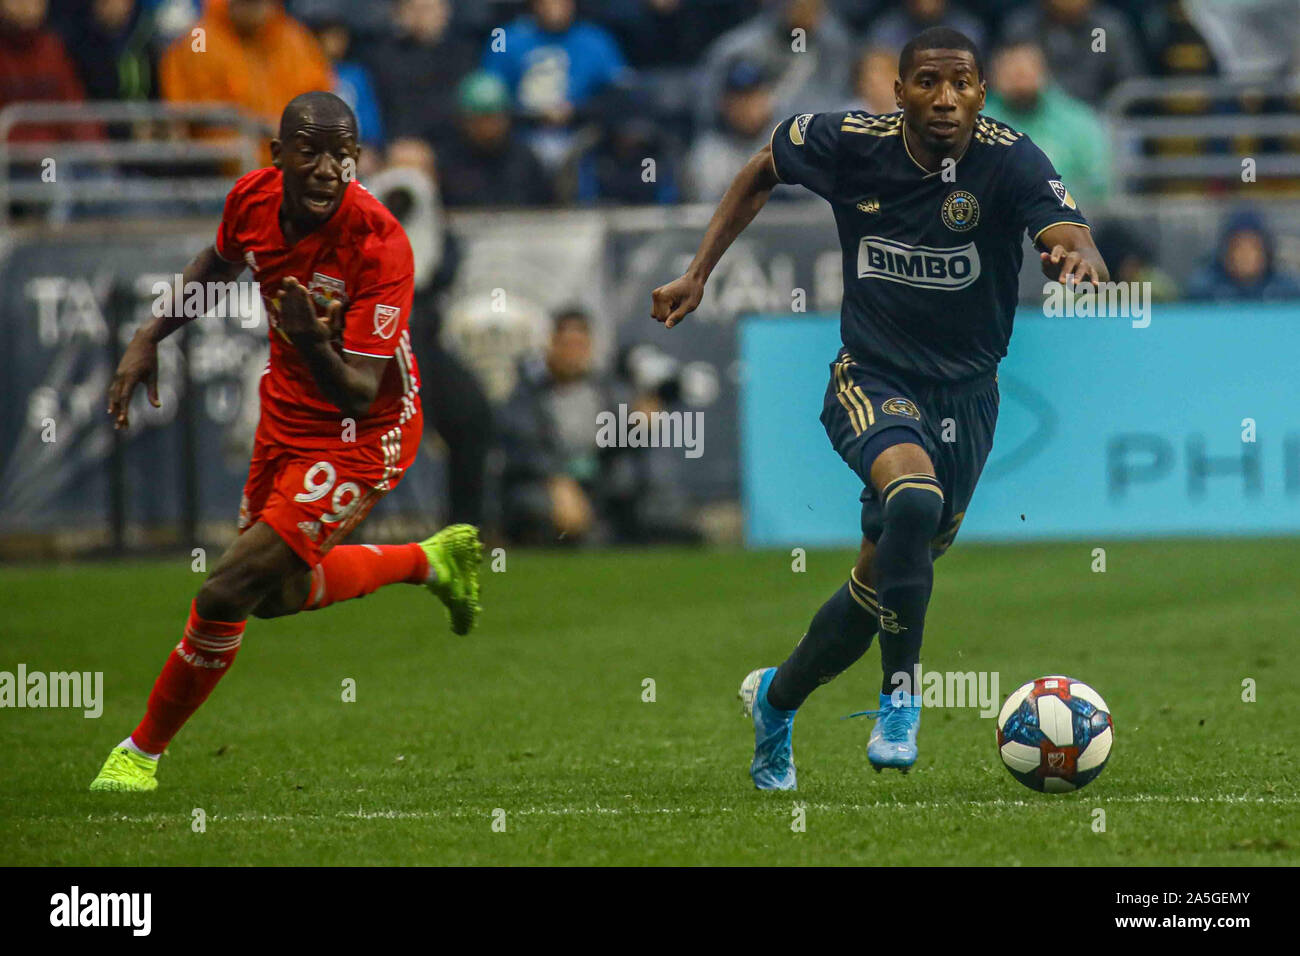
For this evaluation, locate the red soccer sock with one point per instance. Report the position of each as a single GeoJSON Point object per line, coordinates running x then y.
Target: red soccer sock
{"type": "Point", "coordinates": [204, 654]}
{"type": "Point", "coordinates": [355, 570]}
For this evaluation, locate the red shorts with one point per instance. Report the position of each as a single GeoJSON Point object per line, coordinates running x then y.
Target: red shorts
{"type": "Point", "coordinates": [314, 498]}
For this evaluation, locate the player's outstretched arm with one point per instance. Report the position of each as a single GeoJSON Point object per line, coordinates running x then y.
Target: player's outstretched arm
{"type": "Point", "coordinates": [140, 361]}
{"type": "Point", "coordinates": [744, 198]}
{"type": "Point", "coordinates": [1072, 253]}
{"type": "Point", "coordinates": [350, 382]}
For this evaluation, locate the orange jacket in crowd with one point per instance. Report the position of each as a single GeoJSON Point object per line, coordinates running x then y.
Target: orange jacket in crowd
{"type": "Point", "coordinates": [260, 74]}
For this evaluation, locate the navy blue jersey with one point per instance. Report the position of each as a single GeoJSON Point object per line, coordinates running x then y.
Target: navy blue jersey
{"type": "Point", "coordinates": [931, 266]}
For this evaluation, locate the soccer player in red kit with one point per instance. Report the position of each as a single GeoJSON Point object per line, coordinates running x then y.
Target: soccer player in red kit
{"type": "Point", "coordinates": [340, 420]}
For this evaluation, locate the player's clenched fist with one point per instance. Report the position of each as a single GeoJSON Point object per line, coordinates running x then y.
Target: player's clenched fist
{"type": "Point", "coordinates": [298, 316]}
{"type": "Point", "coordinates": [673, 302]}
{"type": "Point", "coordinates": [139, 364]}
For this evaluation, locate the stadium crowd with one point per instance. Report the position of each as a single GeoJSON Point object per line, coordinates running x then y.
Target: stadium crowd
{"type": "Point", "coordinates": [533, 102]}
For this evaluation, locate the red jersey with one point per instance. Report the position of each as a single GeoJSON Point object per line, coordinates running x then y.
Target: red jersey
{"type": "Point", "coordinates": [360, 255]}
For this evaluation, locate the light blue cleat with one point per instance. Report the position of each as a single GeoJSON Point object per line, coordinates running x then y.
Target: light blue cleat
{"type": "Point", "coordinates": [773, 765]}
{"type": "Point", "coordinates": [893, 739]}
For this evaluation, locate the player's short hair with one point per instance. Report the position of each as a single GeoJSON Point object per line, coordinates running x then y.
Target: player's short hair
{"type": "Point", "coordinates": [322, 106]}
{"type": "Point", "coordinates": [938, 38]}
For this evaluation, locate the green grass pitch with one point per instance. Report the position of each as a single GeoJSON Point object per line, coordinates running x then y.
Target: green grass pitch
{"type": "Point", "coordinates": [540, 714]}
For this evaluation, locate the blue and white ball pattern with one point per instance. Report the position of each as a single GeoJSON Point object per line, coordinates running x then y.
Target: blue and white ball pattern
{"type": "Point", "coordinates": [1055, 734]}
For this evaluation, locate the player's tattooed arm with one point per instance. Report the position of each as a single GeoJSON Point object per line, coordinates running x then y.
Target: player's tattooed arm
{"type": "Point", "coordinates": [1071, 252]}
{"type": "Point", "coordinates": [747, 194]}
{"type": "Point", "coordinates": [140, 360]}
{"type": "Point", "coordinates": [349, 381]}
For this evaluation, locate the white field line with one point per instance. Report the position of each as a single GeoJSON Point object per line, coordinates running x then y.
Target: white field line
{"type": "Point", "coordinates": [485, 811]}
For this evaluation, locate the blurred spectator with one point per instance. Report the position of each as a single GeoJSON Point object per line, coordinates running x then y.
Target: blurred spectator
{"type": "Point", "coordinates": [860, 15]}
{"type": "Point", "coordinates": [454, 401]}
{"type": "Point", "coordinates": [173, 17]}
{"type": "Point", "coordinates": [554, 65]}
{"type": "Point", "coordinates": [352, 83]}
{"type": "Point", "coordinates": [253, 54]}
{"type": "Point", "coordinates": [1244, 266]}
{"type": "Point", "coordinates": [412, 154]}
{"type": "Point", "coordinates": [558, 484]}
{"type": "Point", "coordinates": [111, 42]}
{"type": "Point", "coordinates": [34, 65]}
{"type": "Point", "coordinates": [1130, 259]}
{"type": "Point", "coordinates": [114, 45]}
{"type": "Point", "coordinates": [1251, 39]}
{"type": "Point", "coordinates": [745, 124]}
{"type": "Point", "coordinates": [895, 28]}
{"type": "Point", "coordinates": [1065, 30]}
{"type": "Point", "coordinates": [815, 79]}
{"type": "Point", "coordinates": [648, 500]}
{"type": "Point", "coordinates": [361, 18]}
{"type": "Point", "coordinates": [873, 81]}
{"type": "Point", "coordinates": [617, 170]}
{"type": "Point", "coordinates": [655, 33]}
{"type": "Point", "coordinates": [551, 486]}
{"type": "Point", "coordinates": [1067, 130]}
{"type": "Point", "coordinates": [1174, 45]}
{"type": "Point", "coordinates": [485, 163]}
{"type": "Point", "coordinates": [416, 68]}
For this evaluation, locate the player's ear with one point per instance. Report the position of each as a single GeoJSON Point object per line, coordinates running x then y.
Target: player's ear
{"type": "Point", "coordinates": [276, 147]}
{"type": "Point", "coordinates": [898, 93]}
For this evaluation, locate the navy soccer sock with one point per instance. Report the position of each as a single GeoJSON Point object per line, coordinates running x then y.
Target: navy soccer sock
{"type": "Point", "coordinates": [839, 634]}
{"type": "Point", "coordinates": [904, 573]}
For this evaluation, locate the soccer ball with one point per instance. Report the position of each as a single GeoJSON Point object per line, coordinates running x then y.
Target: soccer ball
{"type": "Point", "coordinates": [1055, 734]}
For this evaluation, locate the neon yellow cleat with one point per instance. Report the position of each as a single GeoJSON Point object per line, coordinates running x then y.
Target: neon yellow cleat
{"type": "Point", "coordinates": [126, 770]}
{"type": "Point", "coordinates": [454, 554]}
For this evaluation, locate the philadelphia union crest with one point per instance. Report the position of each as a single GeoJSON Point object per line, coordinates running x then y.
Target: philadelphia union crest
{"type": "Point", "coordinates": [960, 211]}
{"type": "Point", "coordinates": [900, 406]}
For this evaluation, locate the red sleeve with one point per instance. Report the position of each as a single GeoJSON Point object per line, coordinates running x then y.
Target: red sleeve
{"type": "Point", "coordinates": [381, 312]}
{"type": "Point", "coordinates": [228, 245]}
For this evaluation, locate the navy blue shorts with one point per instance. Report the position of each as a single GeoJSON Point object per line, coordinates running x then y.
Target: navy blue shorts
{"type": "Point", "coordinates": [953, 423]}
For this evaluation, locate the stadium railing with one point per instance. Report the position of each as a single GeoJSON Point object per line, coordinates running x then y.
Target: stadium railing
{"type": "Point", "coordinates": [1191, 136]}
{"type": "Point", "coordinates": [107, 154]}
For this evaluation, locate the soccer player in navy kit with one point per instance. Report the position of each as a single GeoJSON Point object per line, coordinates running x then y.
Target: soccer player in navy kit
{"type": "Point", "coordinates": [931, 204]}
